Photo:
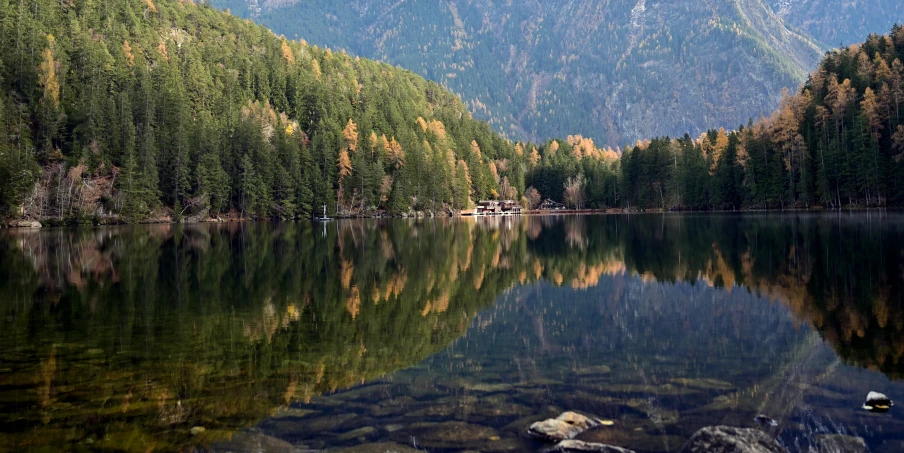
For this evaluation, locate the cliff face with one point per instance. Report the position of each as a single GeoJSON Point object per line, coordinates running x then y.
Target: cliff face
{"type": "Point", "coordinates": [840, 21]}
{"type": "Point", "coordinates": [615, 70]}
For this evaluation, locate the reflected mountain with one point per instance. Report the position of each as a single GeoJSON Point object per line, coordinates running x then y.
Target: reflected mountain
{"type": "Point", "coordinates": [127, 338]}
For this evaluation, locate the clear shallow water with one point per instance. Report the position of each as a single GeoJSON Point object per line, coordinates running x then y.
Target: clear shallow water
{"type": "Point", "coordinates": [450, 335]}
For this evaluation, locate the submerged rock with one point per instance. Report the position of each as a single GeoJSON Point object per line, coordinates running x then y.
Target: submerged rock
{"type": "Point", "coordinates": [565, 426]}
{"type": "Point", "coordinates": [725, 439]}
{"type": "Point", "coordinates": [505, 445]}
{"type": "Point", "coordinates": [647, 390]}
{"type": "Point", "coordinates": [486, 388]}
{"type": "Point", "coordinates": [253, 442]}
{"type": "Point", "coordinates": [360, 433]}
{"type": "Point", "coordinates": [601, 369]}
{"type": "Point", "coordinates": [877, 402]}
{"type": "Point", "coordinates": [448, 435]}
{"type": "Point", "coordinates": [382, 447]}
{"type": "Point", "coordinates": [574, 446]}
{"type": "Point", "coordinates": [293, 412]}
{"type": "Point", "coordinates": [703, 383]}
{"type": "Point", "coordinates": [839, 443]}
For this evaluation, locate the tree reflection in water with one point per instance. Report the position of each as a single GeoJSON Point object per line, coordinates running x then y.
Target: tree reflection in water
{"type": "Point", "coordinates": [126, 338]}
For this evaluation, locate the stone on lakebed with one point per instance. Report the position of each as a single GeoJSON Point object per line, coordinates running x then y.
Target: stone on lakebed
{"type": "Point", "coordinates": [564, 427]}
{"type": "Point", "coordinates": [725, 439]}
{"type": "Point", "coordinates": [577, 446]}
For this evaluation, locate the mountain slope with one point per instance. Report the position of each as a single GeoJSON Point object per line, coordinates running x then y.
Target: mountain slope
{"type": "Point", "coordinates": [840, 21]}
{"type": "Point", "coordinates": [612, 70]}
{"type": "Point", "coordinates": [127, 110]}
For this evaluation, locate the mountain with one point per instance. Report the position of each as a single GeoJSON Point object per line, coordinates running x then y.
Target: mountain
{"type": "Point", "coordinates": [837, 143]}
{"type": "Point", "coordinates": [144, 111]}
{"type": "Point", "coordinates": [615, 71]}
{"type": "Point", "coordinates": [837, 22]}
{"type": "Point", "coordinates": [165, 109]}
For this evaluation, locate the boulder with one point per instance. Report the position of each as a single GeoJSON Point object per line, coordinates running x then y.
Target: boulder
{"type": "Point", "coordinates": [877, 402]}
{"type": "Point", "coordinates": [765, 420]}
{"type": "Point", "coordinates": [725, 439]}
{"type": "Point", "coordinates": [565, 426]}
{"type": "Point", "coordinates": [575, 446]}
{"type": "Point", "coordinates": [25, 224]}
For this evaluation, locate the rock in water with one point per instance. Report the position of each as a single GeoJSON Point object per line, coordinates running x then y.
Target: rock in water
{"type": "Point", "coordinates": [877, 402]}
{"type": "Point", "coordinates": [565, 426]}
{"type": "Point", "coordinates": [725, 439]}
{"type": "Point", "coordinates": [764, 420]}
{"type": "Point", "coordinates": [576, 446]}
{"type": "Point", "coordinates": [25, 224]}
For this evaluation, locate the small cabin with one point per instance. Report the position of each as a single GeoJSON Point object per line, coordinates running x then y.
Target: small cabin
{"type": "Point", "coordinates": [501, 207]}
{"type": "Point", "coordinates": [549, 205]}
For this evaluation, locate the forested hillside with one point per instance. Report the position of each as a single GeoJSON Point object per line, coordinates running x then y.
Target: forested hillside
{"type": "Point", "coordinates": [143, 109]}
{"type": "Point", "coordinates": [615, 71]}
{"type": "Point", "coordinates": [839, 142]}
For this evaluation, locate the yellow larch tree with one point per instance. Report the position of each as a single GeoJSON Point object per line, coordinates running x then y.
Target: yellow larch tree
{"type": "Point", "coordinates": [396, 153]}
{"type": "Point", "coordinates": [475, 151]}
{"type": "Point", "coordinates": [287, 52]}
{"type": "Point", "coordinates": [534, 157]}
{"type": "Point", "coordinates": [127, 51]}
{"type": "Point", "coordinates": [48, 76]}
{"type": "Point", "coordinates": [315, 69]}
{"type": "Point", "coordinates": [372, 142]}
{"type": "Point", "coordinates": [350, 134]}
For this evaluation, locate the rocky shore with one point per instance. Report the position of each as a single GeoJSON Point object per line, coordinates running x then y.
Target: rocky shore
{"type": "Point", "coordinates": [714, 439]}
{"type": "Point", "coordinates": [711, 439]}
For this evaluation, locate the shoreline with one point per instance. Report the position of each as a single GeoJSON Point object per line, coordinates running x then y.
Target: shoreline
{"type": "Point", "coordinates": [162, 220]}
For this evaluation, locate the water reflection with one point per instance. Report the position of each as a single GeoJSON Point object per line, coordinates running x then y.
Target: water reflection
{"type": "Point", "coordinates": [127, 338]}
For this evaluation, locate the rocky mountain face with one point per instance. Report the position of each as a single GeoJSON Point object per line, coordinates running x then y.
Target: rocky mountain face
{"type": "Point", "coordinates": [614, 70]}
{"type": "Point", "coordinates": [840, 21]}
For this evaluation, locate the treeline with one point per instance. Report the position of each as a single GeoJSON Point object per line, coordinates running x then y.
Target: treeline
{"type": "Point", "coordinates": [138, 109]}
{"type": "Point", "coordinates": [837, 143]}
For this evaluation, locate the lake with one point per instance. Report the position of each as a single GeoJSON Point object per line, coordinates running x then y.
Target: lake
{"type": "Point", "coordinates": [447, 335]}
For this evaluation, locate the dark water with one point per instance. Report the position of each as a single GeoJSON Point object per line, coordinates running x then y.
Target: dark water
{"type": "Point", "coordinates": [446, 336]}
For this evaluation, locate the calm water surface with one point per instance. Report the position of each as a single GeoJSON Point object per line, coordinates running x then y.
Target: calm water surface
{"type": "Point", "coordinates": [450, 335]}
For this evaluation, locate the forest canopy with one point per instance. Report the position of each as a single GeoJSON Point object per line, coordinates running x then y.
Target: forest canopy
{"type": "Point", "coordinates": [123, 109]}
